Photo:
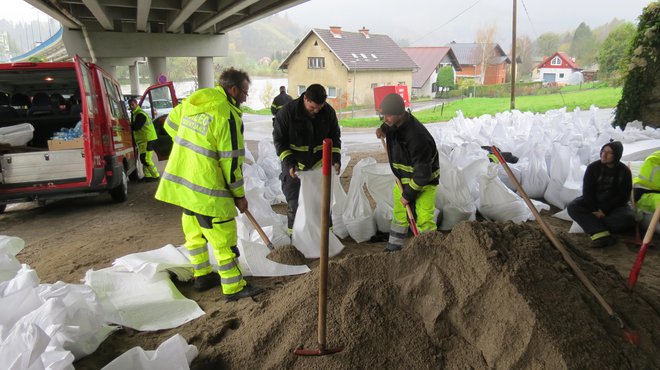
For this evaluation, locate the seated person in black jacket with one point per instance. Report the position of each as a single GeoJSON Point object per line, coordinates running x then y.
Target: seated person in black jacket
{"type": "Point", "coordinates": [603, 207]}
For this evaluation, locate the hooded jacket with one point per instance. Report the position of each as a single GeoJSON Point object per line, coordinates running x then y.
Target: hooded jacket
{"type": "Point", "coordinates": [298, 138]}
{"type": "Point", "coordinates": [607, 188]}
{"type": "Point", "coordinates": [204, 173]}
{"type": "Point", "coordinates": [413, 156]}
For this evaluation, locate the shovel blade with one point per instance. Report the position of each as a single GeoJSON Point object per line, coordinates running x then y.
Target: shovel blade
{"type": "Point", "coordinates": [634, 273]}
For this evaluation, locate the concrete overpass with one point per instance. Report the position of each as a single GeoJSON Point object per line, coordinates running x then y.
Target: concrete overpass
{"type": "Point", "coordinates": [124, 32]}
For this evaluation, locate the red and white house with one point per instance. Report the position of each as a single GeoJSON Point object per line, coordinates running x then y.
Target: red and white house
{"type": "Point", "coordinates": [559, 68]}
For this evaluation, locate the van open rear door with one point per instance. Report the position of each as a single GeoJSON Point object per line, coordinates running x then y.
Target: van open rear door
{"type": "Point", "coordinates": [157, 101]}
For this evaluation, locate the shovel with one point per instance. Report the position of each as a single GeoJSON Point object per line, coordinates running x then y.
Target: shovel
{"type": "Point", "coordinates": [261, 232]}
{"type": "Point", "coordinates": [629, 335]}
{"type": "Point", "coordinates": [411, 216]}
{"type": "Point", "coordinates": [648, 237]}
{"type": "Point", "coordinates": [326, 192]}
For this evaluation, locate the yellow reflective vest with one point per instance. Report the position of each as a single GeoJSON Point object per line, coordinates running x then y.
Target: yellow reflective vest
{"type": "Point", "coordinates": [204, 172]}
{"type": "Point", "coordinates": [649, 173]}
{"type": "Point", "coordinates": [147, 132]}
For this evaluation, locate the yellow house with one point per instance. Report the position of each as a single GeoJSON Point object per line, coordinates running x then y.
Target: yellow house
{"type": "Point", "coordinates": [348, 64]}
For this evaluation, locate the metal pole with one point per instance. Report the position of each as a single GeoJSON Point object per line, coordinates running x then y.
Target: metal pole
{"type": "Point", "coordinates": [513, 61]}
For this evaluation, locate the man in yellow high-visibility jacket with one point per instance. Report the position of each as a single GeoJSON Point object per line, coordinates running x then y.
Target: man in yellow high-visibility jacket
{"type": "Point", "coordinates": [204, 176]}
{"type": "Point", "coordinates": [145, 136]}
{"type": "Point", "coordinates": [647, 184]}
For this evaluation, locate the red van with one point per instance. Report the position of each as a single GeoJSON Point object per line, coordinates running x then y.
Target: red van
{"type": "Point", "coordinates": [77, 134]}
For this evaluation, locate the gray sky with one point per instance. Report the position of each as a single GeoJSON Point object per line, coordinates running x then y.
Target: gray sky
{"type": "Point", "coordinates": [434, 22]}
{"type": "Point", "coordinates": [429, 22]}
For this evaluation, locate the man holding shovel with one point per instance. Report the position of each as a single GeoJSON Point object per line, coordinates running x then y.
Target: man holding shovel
{"type": "Point", "coordinates": [298, 132]}
{"type": "Point", "coordinates": [204, 176]}
{"type": "Point", "coordinates": [603, 207]}
{"type": "Point", "coordinates": [413, 157]}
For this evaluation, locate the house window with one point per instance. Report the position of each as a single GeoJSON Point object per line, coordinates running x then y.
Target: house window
{"type": "Point", "coordinates": [315, 62]}
{"type": "Point", "coordinates": [373, 86]}
{"type": "Point", "coordinates": [556, 61]}
{"type": "Point", "coordinates": [434, 87]}
{"type": "Point", "coordinates": [402, 82]}
{"type": "Point", "coordinates": [561, 75]}
{"type": "Point", "coordinates": [301, 89]}
{"type": "Point", "coordinates": [332, 92]}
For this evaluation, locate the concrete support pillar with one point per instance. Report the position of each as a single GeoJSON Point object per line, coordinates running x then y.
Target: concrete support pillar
{"type": "Point", "coordinates": [157, 66]}
{"type": "Point", "coordinates": [109, 67]}
{"type": "Point", "coordinates": [205, 72]}
{"type": "Point", "coordinates": [134, 73]}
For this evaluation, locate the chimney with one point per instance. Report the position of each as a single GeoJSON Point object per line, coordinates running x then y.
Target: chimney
{"type": "Point", "coordinates": [365, 32]}
{"type": "Point", "coordinates": [335, 31]}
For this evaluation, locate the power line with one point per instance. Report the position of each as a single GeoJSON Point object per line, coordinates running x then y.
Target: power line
{"type": "Point", "coordinates": [536, 34]}
{"type": "Point", "coordinates": [449, 21]}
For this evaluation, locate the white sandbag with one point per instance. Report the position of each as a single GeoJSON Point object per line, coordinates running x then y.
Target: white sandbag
{"type": "Point", "coordinates": [452, 195]}
{"type": "Point", "coordinates": [499, 203]}
{"type": "Point", "coordinates": [572, 187]}
{"type": "Point", "coordinates": [11, 245]}
{"type": "Point", "coordinates": [260, 265]}
{"type": "Point", "coordinates": [563, 215]}
{"type": "Point", "coordinates": [27, 348]}
{"type": "Point", "coordinates": [338, 206]}
{"type": "Point", "coordinates": [535, 176]}
{"type": "Point", "coordinates": [575, 229]}
{"type": "Point", "coordinates": [149, 263]}
{"type": "Point", "coordinates": [150, 304]}
{"type": "Point", "coordinates": [358, 215]}
{"type": "Point", "coordinates": [380, 180]}
{"type": "Point", "coordinates": [307, 226]}
{"type": "Point", "coordinates": [561, 155]}
{"type": "Point", "coordinates": [174, 353]}
{"type": "Point", "coordinates": [638, 151]}
{"type": "Point", "coordinates": [516, 169]}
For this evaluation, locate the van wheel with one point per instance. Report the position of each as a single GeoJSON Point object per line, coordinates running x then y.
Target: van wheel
{"type": "Point", "coordinates": [2, 208]}
{"type": "Point", "coordinates": [120, 193]}
{"type": "Point", "coordinates": [134, 176]}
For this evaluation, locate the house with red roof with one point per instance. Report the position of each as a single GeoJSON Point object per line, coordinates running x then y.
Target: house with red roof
{"type": "Point", "coordinates": [430, 60]}
{"type": "Point", "coordinates": [558, 68]}
{"type": "Point", "coordinates": [486, 64]}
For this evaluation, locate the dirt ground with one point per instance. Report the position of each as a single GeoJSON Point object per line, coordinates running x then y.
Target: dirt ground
{"type": "Point", "coordinates": [485, 295]}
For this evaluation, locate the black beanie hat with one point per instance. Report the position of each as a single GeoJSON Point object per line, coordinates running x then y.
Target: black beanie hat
{"type": "Point", "coordinates": [392, 104]}
{"type": "Point", "coordinates": [617, 149]}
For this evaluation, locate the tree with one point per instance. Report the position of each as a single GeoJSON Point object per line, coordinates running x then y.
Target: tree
{"type": "Point", "coordinates": [445, 79]}
{"type": "Point", "coordinates": [524, 51]}
{"type": "Point", "coordinates": [640, 97]}
{"type": "Point", "coordinates": [267, 94]}
{"type": "Point", "coordinates": [613, 51]}
{"type": "Point", "coordinates": [583, 47]}
{"type": "Point", "coordinates": [485, 37]}
{"type": "Point", "coordinates": [547, 44]}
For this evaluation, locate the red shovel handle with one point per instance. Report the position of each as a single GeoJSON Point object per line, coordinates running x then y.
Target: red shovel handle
{"type": "Point", "coordinates": [648, 237]}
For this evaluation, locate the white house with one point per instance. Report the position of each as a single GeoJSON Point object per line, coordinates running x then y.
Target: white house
{"type": "Point", "coordinates": [557, 68]}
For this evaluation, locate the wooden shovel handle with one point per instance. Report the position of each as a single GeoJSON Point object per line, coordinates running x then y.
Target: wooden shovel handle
{"type": "Point", "coordinates": [261, 232]}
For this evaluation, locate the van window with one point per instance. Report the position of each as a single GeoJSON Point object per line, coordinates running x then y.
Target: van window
{"type": "Point", "coordinates": [90, 92]}
{"type": "Point", "coordinates": [113, 99]}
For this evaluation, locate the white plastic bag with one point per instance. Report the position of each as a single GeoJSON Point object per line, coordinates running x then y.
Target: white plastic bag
{"type": "Point", "coordinates": [358, 215]}
{"type": "Point", "coordinates": [307, 226]}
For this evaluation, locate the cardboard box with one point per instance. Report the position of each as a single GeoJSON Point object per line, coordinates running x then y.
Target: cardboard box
{"type": "Point", "coordinates": [77, 143]}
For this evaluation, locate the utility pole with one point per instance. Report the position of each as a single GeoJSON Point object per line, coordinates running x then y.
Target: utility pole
{"type": "Point", "coordinates": [513, 61]}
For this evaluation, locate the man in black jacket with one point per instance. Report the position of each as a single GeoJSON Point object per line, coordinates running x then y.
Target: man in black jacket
{"type": "Point", "coordinates": [413, 157]}
{"type": "Point", "coordinates": [298, 132]}
{"type": "Point", "coordinates": [603, 206]}
{"type": "Point", "coordinates": [280, 101]}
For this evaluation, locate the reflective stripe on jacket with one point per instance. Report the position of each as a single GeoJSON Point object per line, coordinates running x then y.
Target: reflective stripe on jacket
{"type": "Point", "coordinates": [205, 170]}
{"type": "Point", "coordinates": [649, 173]}
{"type": "Point", "coordinates": [413, 156]}
{"type": "Point", "coordinates": [298, 138]}
{"type": "Point", "coordinates": [147, 132]}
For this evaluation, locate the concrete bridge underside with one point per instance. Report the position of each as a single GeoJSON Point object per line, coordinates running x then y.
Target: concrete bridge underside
{"type": "Point", "coordinates": [126, 32]}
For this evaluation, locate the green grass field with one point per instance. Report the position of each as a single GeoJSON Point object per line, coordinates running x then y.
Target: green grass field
{"type": "Point", "coordinates": [605, 97]}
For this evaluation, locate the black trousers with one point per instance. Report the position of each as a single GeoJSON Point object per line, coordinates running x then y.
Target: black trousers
{"type": "Point", "coordinates": [618, 220]}
{"type": "Point", "coordinates": [291, 190]}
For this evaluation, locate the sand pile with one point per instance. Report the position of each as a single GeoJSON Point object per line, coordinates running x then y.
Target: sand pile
{"type": "Point", "coordinates": [485, 296]}
{"type": "Point", "coordinates": [287, 254]}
